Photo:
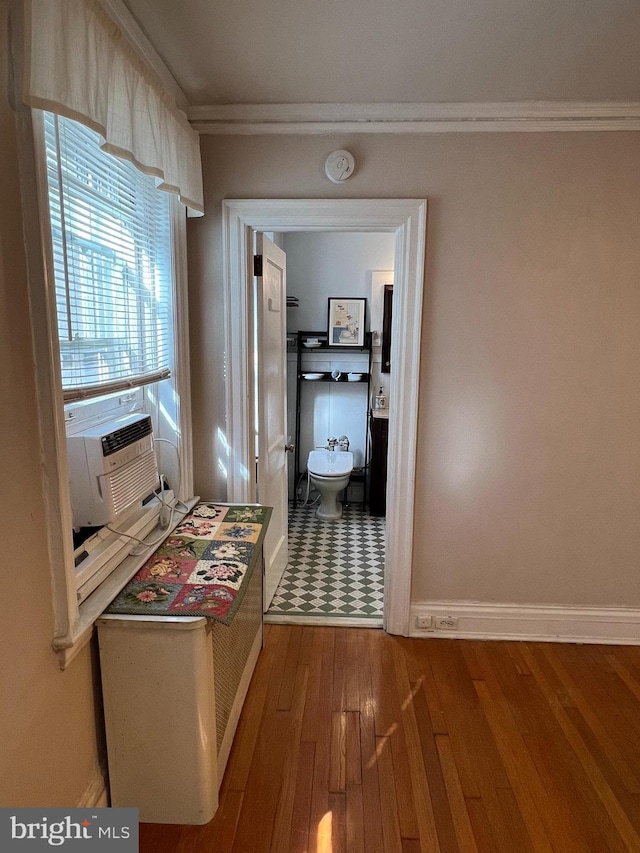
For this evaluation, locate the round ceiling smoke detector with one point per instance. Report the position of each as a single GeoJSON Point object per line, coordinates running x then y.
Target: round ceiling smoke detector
{"type": "Point", "coordinates": [339, 166]}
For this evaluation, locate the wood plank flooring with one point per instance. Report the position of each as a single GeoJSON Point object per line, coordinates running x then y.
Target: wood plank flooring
{"type": "Point", "coordinates": [353, 741]}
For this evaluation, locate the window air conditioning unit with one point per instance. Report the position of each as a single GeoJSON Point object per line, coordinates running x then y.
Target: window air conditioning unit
{"type": "Point", "coordinates": [111, 466]}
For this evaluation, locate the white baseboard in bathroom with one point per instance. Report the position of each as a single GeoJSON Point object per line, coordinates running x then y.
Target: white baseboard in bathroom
{"type": "Point", "coordinates": [96, 795]}
{"type": "Point", "coordinates": [550, 623]}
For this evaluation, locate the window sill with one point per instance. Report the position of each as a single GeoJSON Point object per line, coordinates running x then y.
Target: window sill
{"type": "Point", "coordinates": [81, 631]}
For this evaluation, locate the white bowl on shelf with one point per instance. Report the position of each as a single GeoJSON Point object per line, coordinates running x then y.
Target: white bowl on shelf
{"type": "Point", "coordinates": [311, 344]}
{"type": "Point", "coordinates": [354, 377]}
{"type": "Point", "coordinates": [312, 375]}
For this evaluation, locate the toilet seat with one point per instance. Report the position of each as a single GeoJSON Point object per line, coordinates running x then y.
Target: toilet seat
{"type": "Point", "coordinates": [330, 463]}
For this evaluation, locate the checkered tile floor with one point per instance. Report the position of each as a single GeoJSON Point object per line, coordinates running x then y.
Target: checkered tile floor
{"type": "Point", "coordinates": [335, 567]}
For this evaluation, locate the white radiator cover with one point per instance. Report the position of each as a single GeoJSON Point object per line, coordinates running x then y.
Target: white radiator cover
{"type": "Point", "coordinates": [234, 649]}
{"type": "Point", "coordinates": [173, 689]}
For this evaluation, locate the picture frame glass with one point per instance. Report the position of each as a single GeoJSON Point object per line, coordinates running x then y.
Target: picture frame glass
{"type": "Point", "coordinates": [346, 322]}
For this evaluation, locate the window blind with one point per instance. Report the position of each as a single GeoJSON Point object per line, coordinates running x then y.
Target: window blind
{"type": "Point", "coordinates": [111, 234]}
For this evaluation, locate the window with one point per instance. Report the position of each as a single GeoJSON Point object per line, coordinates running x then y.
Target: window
{"type": "Point", "coordinates": [111, 235]}
{"type": "Point", "coordinates": [107, 271]}
{"type": "Point", "coordinates": [117, 268]}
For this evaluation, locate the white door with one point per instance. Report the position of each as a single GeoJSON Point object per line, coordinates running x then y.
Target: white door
{"type": "Point", "coordinates": [273, 444]}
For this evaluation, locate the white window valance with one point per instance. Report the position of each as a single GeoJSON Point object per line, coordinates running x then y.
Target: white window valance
{"type": "Point", "coordinates": [78, 64]}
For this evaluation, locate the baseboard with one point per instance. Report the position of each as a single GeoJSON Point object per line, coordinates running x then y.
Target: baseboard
{"type": "Point", "coordinates": [545, 623]}
{"type": "Point", "coordinates": [96, 795]}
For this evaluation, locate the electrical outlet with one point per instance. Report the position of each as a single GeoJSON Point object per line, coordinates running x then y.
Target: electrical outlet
{"type": "Point", "coordinates": [446, 623]}
{"type": "Point", "coordinates": [423, 622]}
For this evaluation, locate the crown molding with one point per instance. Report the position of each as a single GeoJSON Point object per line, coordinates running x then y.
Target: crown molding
{"type": "Point", "coordinates": [521, 116]}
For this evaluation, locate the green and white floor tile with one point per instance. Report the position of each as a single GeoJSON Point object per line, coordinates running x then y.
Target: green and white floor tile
{"type": "Point", "coordinates": [335, 572]}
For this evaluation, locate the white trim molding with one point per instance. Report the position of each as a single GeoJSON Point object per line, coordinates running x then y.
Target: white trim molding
{"type": "Point", "coordinates": [520, 116]}
{"type": "Point", "coordinates": [406, 218]}
{"type": "Point", "coordinates": [540, 623]}
{"type": "Point", "coordinates": [96, 795]}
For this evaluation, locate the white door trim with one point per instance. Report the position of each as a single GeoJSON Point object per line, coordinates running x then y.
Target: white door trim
{"type": "Point", "coordinates": [406, 218]}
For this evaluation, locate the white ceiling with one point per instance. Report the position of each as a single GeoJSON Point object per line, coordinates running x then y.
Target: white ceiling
{"type": "Point", "coordinates": [373, 51]}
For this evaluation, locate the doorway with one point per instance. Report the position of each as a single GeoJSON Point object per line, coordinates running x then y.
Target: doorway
{"type": "Point", "coordinates": [335, 570]}
{"type": "Point", "coordinates": [407, 220]}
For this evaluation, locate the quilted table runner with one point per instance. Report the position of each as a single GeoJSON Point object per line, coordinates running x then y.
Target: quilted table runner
{"type": "Point", "coordinates": [202, 568]}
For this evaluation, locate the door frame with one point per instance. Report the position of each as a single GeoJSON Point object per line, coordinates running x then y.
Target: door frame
{"type": "Point", "coordinates": [406, 218]}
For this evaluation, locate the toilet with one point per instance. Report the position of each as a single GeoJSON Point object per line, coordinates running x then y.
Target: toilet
{"type": "Point", "coordinates": [329, 472]}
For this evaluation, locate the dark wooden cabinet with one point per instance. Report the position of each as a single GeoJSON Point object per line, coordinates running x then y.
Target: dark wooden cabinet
{"type": "Point", "coordinates": [387, 317]}
{"type": "Point", "coordinates": [378, 471]}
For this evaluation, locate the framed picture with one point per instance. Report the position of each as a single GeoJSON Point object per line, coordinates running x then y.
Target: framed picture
{"type": "Point", "coordinates": [346, 322]}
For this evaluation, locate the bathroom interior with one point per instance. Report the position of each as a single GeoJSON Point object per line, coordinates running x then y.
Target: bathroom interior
{"type": "Point", "coordinates": [337, 412]}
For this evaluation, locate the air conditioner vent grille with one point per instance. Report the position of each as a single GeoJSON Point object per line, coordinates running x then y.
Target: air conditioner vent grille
{"type": "Point", "coordinates": [133, 482]}
{"type": "Point", "coordinates": [125, 436]}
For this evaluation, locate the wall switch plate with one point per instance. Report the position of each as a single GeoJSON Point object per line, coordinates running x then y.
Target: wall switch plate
{"type": "Point", "coordinates": [423, 622]}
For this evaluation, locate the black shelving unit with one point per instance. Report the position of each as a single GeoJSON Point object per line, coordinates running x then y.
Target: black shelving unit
{"type": "Point", "coordinates": [323, 346]}
{"type": "Point", "coordinates": [379, 428]}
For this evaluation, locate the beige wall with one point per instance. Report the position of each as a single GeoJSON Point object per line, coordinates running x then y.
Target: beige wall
{"type": "Point", "coordinates": [49, 742]}
{"type": "Point", "coordinates": [528, 466]}
{"type": "Point", "coordinates": [529, 460]}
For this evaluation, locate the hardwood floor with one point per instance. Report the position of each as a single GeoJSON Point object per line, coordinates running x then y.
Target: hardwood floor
{"type": "Point", "coordinates": [353, 740]}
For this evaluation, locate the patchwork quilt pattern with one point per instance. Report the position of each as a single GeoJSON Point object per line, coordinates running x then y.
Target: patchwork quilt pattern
{"type": "Point", "coordinates": [203, 566]}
